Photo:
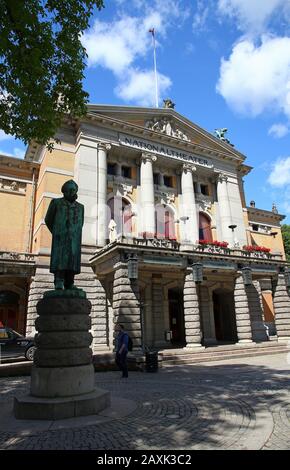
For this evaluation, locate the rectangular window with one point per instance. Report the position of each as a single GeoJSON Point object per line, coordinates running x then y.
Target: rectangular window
{"type": "Point", "coordinates": [255, 228]}
{"type": "Point", "coordinates": [204, 189]}
{"type": "Point", "coordinates": [111, 169]}
{"type": "Point", "coordinates": [167, 181]}
{"type": "Point", "coordinates": [156, 178]}
{"type": "Point", "coordinates": [126, 172]}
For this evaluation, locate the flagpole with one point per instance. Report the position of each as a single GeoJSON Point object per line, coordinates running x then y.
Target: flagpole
{"type": "Point", "coordinates": [152, 31]}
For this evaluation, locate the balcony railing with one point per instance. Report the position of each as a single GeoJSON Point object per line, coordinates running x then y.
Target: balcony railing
{"type": "Point", "coordinates": [172, 244]}
{"type": "Point", "coordinates": [17, 256]}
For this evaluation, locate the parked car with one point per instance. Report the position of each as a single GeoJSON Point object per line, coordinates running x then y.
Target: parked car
{"type": "Point", "coordinates": [14, 344]}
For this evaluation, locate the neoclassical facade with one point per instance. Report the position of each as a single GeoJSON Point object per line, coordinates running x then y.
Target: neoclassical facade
{"type": "Point", "coordinates": [170, 247]}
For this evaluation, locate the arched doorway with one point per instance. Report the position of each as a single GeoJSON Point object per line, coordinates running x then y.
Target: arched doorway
{"type": "Point", "coordinates": [9, 307]}
{"type": "Point", "coordinates": [176, 316]}
{"type": "Point", "coordinates": [205, 232]}
{"type": "Point", "coordinates": [120, 211]}
{"type": "Point", "coordinates": [164, 222]}
{"type": "Point", "coordinates": [224, 315]}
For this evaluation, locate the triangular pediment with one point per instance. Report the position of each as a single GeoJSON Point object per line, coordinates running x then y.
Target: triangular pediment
{"type": "Point", "coordinates": [166, 122]}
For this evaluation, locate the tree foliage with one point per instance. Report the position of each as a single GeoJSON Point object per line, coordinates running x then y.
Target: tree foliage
{"type": "Point", "coordinates": [42, 63]}
{"type": "Point", "coordinates": [286, 240]}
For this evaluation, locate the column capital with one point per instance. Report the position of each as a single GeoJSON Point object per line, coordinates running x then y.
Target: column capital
{"type": "Point", "coordinates": [148, 157]}
{"type": "Point", "coordinates": [104, 146]}
{"type": "Point", "coordinates": [222, 178]}
{"type": "Point", "coordinates": [188, 167]}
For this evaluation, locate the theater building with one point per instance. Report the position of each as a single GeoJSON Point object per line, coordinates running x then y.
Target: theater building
{"type": "Point", "coordinates": [170, 248]}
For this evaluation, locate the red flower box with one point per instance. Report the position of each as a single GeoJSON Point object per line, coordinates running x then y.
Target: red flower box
{"type": "Point", "coordinates": [214, 243]}
{"type": "Point", "coordinates": [253, 248]}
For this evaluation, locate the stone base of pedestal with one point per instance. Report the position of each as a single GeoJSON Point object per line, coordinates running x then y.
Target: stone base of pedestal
{"type": "Point", "coordinates": [30, 407]}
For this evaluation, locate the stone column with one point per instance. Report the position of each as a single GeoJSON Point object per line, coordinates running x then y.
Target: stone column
{"type": "Point", "coordinates": [256, 312]}
{"type": "Point", "coordinates": [126, 303]}
{"type": "Point", "coordinates": [189, 226]}
{"type": "Point", "coordinates": [191, 312]}
{"type": "Point", "coordinates": [282, 309]}
{"type": "Point", "coordinates": [225, 216]}
{"type": "Point", "coordinates": [243, 320]}
{"type": "Point", "coordinates": [102, 193]}
{"type": "Point", "coordinates": [147, 193]}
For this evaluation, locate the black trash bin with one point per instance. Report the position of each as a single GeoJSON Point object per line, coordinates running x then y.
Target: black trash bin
{"type": "Point", "coordinates": [151, 361]}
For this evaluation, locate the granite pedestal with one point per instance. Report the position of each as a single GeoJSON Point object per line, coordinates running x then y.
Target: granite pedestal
{"type": "Point", "coordinates": [62, 377]}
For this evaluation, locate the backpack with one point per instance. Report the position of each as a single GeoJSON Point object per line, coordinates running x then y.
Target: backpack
{"type": "Point", "coordinates": [130, 343]}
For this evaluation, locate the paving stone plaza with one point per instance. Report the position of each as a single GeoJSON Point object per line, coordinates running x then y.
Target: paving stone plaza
{"type": "Point", "coordinates": [231, 404]}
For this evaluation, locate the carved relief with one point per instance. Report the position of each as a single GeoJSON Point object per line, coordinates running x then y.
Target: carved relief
{"type": "Point", "coordinates": [14, 186]}
{"type": "Point", "coordinates": [166, 126]}
{"type": "Point", "coordinates": [164, 198]}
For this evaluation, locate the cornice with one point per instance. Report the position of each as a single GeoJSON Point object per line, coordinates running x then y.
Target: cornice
{"type": "Point", "coordinates": [141, 131]}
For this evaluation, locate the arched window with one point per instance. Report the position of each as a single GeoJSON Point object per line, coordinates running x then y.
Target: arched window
{"type": "Point", "coordinates": [204, 227]}
{"type": "Point", "coordinates": [165, 227]}
{"type": "Point", "coordinates": [120, 211]}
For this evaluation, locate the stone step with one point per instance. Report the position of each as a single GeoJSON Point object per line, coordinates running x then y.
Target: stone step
{"type": "Point", "coordinates": [206, 357]}
{"type": "Point", "coordinates": [168, 353]}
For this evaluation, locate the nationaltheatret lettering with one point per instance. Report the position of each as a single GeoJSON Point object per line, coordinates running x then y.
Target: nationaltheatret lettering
{"type": "Point", "coordinates": [163, 150]}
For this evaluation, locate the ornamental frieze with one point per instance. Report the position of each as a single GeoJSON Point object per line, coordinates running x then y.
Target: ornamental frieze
{"type": "Point", "coordinates": [166, 126]}
{"type": "Point", "coordinates": [12, 186]}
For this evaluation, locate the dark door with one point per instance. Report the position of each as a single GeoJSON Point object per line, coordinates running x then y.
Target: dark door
{"type": "Point", "coordinates": [224, 316]}
{"type": "Point", "coordinates": [176, 316]}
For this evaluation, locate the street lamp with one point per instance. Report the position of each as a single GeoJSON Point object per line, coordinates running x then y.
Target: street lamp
{"type": "Point", "coordinates": [197, 272]}
{"type": "Point", "coordinates": [287, 277]}
{"type": "Point", "coordinates": [133, 267]}
{"type": "Point", "coordinates": [247, 276]}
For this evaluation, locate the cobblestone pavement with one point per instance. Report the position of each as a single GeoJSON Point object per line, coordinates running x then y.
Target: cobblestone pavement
{"type": "Point", "coordinates": [237, 404]}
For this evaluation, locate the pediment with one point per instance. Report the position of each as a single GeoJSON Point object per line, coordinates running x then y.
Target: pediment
{"type": "Point", "coordinates": [166, 122]}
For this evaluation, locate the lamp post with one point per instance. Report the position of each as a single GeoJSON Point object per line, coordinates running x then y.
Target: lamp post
{"type": "Point", "coordinates": [197, 273]}
{"type": "Point", "coordinates": [133, 267]}
{"type": "Point", "coordinates": [287, 277]}
{"type": "Point", "coordinates": [247, 276]}
{"type": "Point", "coordinates": [232, 227]}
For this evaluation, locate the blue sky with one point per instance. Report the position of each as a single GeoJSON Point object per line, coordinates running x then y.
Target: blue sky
{"type": "Point", "coordinates": [225, 63]}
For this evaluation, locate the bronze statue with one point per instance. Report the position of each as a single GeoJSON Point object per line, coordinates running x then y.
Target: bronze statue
{"type": "Point", "coordinates": [168, 104]}
{"type": "Point", "coordinates": [64, 219]}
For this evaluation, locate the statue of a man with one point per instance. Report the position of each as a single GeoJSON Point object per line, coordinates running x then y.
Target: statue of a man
{"type": "Point", "coordinates": [64, 219]}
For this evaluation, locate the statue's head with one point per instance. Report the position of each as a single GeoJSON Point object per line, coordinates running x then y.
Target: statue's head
{"type": "Point", "coordinates": [69, 190]}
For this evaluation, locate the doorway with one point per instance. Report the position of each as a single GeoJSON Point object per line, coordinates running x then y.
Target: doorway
{"type": "Point", "coordinates": [9, 307]}
{"type": "Point", "coordinates": [224, 316]}
{"type": "Point", "coordinates": [176, 316]}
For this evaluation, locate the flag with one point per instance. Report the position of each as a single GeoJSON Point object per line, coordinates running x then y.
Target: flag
{"type": "Point", "coordinates": [152, 31]}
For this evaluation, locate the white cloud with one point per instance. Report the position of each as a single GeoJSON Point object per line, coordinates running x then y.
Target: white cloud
{"type": "Point", "coordinates": [118, 46]}
{"type": "Point", "coordinates": [252, 16]}
{"type": "Point", "coordinates": [256, 78]}
{"type": "Point", "coordinates": [16, 152]}
{"type": "Point", "coordinates": [200, 17]}
{"type": "Point", "coordinates": [140, 87]}
{"type": "Point", "coordinates": [279, 130]}
{"type": "Point", "coordinates": [4, 136]}
{"type": "Point", "coordinates": [280, 175]}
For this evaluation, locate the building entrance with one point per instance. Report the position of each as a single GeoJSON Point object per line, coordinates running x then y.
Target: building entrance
{"type": "Point", "coordinates": [224, 315]}
{"type": "Point", "coordinates": [176, 316]}
{"type": "Point", "coordinates": [9, 309]}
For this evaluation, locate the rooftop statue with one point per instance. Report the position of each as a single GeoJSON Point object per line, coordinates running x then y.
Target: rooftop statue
{"type": "Point", "coordinates": [64, 219]}
{"type": "Point", "coordinates": [168, 104]}
{"type": "Point", "coordinates": [220, 134]}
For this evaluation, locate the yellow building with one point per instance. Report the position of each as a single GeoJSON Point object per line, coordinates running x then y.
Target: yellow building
{"type": "Point", "coordinates": [170, 247]}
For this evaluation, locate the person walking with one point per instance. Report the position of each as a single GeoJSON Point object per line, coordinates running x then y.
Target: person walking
{"type": "Point", "coordinates": [122, 349]}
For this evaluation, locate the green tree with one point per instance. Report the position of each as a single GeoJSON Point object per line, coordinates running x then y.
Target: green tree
{"type": "Point", "coordinates": [42, 65]}
{"type": "Point", "coordinates": [286, 239]}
